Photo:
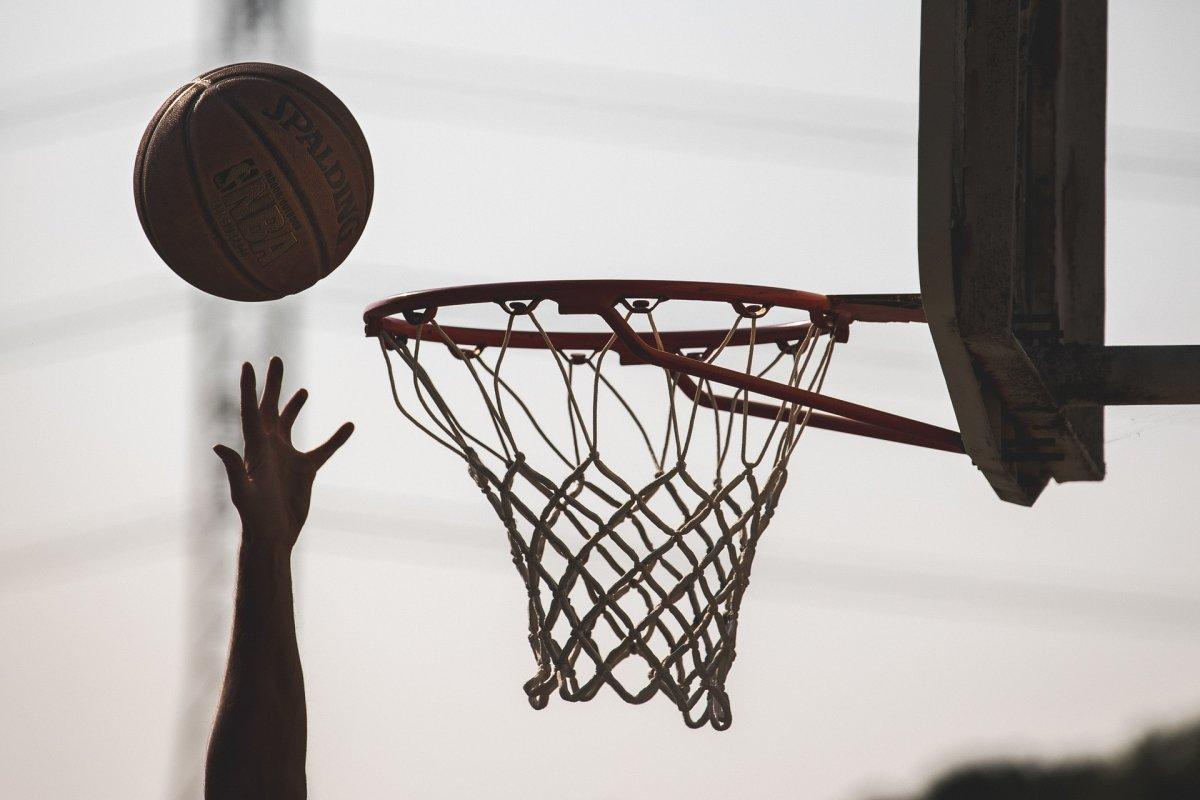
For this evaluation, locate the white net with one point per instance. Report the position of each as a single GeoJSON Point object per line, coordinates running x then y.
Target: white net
{"type": "Point", "coordinates": [634, 539]}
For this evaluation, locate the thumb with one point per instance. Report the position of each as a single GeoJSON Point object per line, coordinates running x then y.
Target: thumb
{"type": "Point", "coordinates": [234, 467]}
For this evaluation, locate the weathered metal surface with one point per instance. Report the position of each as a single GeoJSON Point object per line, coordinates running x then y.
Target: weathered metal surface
{"type": "Point", "coordinates": [1093, 375]}
{"type": "Point", "coordinates": [1011, 224]}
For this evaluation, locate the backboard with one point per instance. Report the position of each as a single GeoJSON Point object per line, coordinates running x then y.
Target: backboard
{"type": "Point", "coordinates": [1011, 230]}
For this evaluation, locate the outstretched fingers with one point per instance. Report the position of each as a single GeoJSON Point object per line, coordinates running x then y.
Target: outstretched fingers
{"type": "Point", "coordinates": [324, 452]}
{"type": "Point", "coordinates": [287, 417]}
{"type": "Point", "coordinates": [269, 408]}
{"type": "Point", "coordinates": [252, 429]}
{"type": "Point", "coordinates": [261, 418]}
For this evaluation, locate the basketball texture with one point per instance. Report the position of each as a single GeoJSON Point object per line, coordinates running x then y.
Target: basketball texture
{"type": "Point", "coordinates": [253, 182]}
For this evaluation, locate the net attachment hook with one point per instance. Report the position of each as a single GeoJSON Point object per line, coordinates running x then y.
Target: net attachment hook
{"type": "Point", "coordinates": [750, 310]}
{"type": "Point", "coordinates": [419, 316]}
{"type": "Point", "coordinates": [519, 308]}
{"type": "Point", "coordinates": [835, 324]}
{"type": "Point", "coordinates": [641, 305]}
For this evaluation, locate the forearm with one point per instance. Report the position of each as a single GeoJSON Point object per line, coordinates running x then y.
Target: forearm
{"type": "Point", "coordinates": [259, 738]}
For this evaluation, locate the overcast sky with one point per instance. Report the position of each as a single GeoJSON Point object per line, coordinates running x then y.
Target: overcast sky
{"type": "Point", "coordinates": [900, 616]}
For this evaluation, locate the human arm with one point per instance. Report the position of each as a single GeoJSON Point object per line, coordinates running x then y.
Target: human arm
{"type": "Point", "coordinates": [257, 749]}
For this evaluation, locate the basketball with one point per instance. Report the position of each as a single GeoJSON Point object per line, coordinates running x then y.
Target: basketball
{"type": "Point", "coordinates": [253, 182]}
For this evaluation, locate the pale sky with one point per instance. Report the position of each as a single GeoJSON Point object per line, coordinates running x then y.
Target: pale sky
{"type": "Point", "coordinates": [900, 617]}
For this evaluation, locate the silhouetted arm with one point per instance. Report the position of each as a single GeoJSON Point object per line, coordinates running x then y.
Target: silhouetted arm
{"type": "Point", "coordinates": [258, 741]}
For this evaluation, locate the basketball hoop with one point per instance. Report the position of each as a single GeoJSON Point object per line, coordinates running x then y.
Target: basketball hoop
{"type": "Point", "coordinates": [635, 565]}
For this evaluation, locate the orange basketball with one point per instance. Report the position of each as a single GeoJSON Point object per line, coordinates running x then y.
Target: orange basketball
{"type": "Point", "coordinates": [253, 182]}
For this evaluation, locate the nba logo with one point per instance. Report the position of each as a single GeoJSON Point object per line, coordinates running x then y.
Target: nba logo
{"type": "Point", "coordinates": [237, 174]}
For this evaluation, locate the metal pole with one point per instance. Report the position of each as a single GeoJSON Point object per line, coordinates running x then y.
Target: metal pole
{"type": "Point", "coordinates": [1112, 375]}
{"type": "Point", "coordinates": [224, 333]}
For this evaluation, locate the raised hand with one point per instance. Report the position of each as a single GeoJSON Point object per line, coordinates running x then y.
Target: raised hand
{"type": "Point", "coordinates": [272, 485]}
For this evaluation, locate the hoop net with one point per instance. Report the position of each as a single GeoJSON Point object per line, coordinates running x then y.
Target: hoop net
{"type": "Point", "coordinates": [634, 539]}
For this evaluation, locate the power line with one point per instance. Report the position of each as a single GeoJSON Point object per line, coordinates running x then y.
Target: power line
{"type": "Point", "coordinates": [86, 319]}
{"type": "Point", "coordinates": [80, 92]}
{"type": "Point", "coordinates": [51, 552]}
{"type": "Point", "coordinates": [1131, 611]}
{"type": "Point", "coordinates": [93, 322]}
{"type": "Point", "coordinates": [85, 100]}
{"type": "Point", "coordinates": [683, 102]}
{"type": "Point", "coordinates": [1137, 611]}
{"type": "Point", "coordinates": [82, 76]}
{"type": "Point", "coordinates": [690, 102]}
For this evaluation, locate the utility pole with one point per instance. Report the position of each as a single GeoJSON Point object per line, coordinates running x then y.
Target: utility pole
{"type": "Point", "coordinates": [224, 334]}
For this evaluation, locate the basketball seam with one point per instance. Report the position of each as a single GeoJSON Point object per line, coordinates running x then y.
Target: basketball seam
{"type": "Point", "coordinates": [140, 166]}
{"type": "Point", "coordinates": [193, 173]}
{"type": "Point", "coordinates": [363, 153]}
{"type": "Point", "coordinates": [326, 262]}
